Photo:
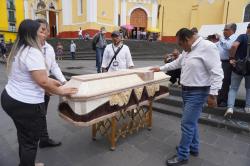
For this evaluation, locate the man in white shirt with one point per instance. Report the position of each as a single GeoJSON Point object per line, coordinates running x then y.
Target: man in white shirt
{"type": "Point", "coordinates": [54, 70]}
{"type": "Point", "coordinates": [201, 78]}
{"type": "Point", "coordinates": [116, 55]}
{"type": "Point", "coordinates": [73, 50]}
{"type": "Point", "coordinates": [224, 45]}
{"type": "Point", "coordinates": [80, 33]}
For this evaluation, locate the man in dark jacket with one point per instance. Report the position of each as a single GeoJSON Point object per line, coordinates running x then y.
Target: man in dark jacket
{"type": "Point", "coordinates": [238, 51]}
{"type": "Point", "coordinates": [99, 44]}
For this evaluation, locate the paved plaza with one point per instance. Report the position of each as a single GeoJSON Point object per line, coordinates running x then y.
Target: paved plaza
{"type": "Point", "coordinates": [219, 147]}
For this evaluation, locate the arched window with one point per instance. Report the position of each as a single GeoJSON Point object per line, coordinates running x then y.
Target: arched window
{"type": "Point", "coordinates": [247, 14]}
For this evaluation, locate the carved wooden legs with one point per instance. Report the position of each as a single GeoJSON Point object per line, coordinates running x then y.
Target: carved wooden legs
{"type": "Point", "coordinates": [113, 133]}
{"type": "Point", "coordinates": [150, 113]}
{"type": "Point", "coordinates": [94, 131]}
{"type": "Point", "coordinates": [124, 123]}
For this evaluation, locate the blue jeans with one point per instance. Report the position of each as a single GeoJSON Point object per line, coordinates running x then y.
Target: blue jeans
{"type": "Point", "coordinates": [99, 54]}
{"type": "Point", "coordinates": [193, 101]}
{"type": "Point", "coordinates": [235, 84]}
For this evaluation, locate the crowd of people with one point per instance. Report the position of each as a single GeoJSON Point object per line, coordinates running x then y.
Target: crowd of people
{"type": "Point", "coordinates": [206, 72]}
{"type": "Point", "coordinates": [139, 34]}
{"type": "Point", "coordinates": [232, 48]}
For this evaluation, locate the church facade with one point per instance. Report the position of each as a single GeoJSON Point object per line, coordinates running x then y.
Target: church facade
{"type": "Point", "coordinates": [167, 16]}
{"type": "Point", "coordinates": [11, 14]}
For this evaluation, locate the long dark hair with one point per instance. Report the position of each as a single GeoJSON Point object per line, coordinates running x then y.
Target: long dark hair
{"type": "Point", "coordinates": [26, 36]}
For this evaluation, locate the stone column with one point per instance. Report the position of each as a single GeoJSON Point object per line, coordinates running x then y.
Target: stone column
{"type": "Point", "coordinates": [124, 12]}
{"type": "Point", "coordinates": [47, 16]}
{"type": "Point", "coordinates": [116, 7]}
{"type": "Point", "coordinates": [57, 31]}
{"type": "Point", "coordinates": [91, 10]}
{"type": "Point", "coordinates": [154, 14]}
{"type": "Point", "coordinates": [26, 9]}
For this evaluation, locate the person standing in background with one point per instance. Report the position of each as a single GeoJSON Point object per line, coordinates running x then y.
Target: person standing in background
{"type": "Point", "coordinates": [224, 45]}
{"type": "Point", "coordinates": [239, 51]}
{"type": "Point", "coordinates": [3, 49]}
{"type": "Point", "coordinates": [175, 74]}
{"type": "Point", "coordinates": [73, 50]}
{"type": "Point", "coordinates": [117, 55]}
{"type": "Point", "coordinates": [59, 51]}
{"type": "Point", "coordinates": [80, 33]}
{"type": "Point", "coordinates": [99, 44]}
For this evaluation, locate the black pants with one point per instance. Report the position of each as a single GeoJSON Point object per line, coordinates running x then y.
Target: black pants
{"type": "Point", "coordinates": [73, 55]}
{"type": "Point", "coordinates": [28, 121]}
{"type": "Point", "coordinates": [174, 75]}
{"type": "Point", "coordinates": [223, 93]}
{"type": "Point", "coordinates": [44, 132]}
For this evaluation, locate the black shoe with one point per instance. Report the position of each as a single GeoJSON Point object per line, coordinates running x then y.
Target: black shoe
{"type": "Point", "coordinates": [195, 154]}
{"type": "Point", "coordinates": [49, 143]}
{"type": "Point", "coordinates": [174, 161]}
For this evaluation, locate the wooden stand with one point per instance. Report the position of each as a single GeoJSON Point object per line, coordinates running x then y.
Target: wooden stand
{"type": "Point", "coordinates": [123, 123]}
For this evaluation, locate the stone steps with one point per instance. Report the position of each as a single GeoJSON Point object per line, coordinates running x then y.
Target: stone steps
{"type": "Point", "coordinates": [172, 105]}
{"type": "Point", "coordinates": [135, 57]}
{"type": "Point", "coordinates": [206, 118]}
{"type": "Point", "coordinates": [139, 49]}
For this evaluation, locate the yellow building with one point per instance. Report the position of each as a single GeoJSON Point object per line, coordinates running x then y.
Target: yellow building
{"type": "Point", "coordinates": [66, 16]}
{"type": "Point", "coordinates": [11, 14]}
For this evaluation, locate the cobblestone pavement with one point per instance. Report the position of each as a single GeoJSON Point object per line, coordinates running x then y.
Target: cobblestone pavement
{"type": "Point", "coordinates": [219, 147]}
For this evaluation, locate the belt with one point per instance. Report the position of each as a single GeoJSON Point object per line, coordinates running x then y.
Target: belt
{"type": "Point", "coordinates": [191, 88]}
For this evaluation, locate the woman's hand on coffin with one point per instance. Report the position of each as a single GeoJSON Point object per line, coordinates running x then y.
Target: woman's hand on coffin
{"type": "Point", "coordinates": [55, 82]}
{"type": "Point", "coordinates": [67, 91]}
{"type": "Point", "coordinates": [155, 69]}
{"type": "Point", "coordinates": [50, 85]}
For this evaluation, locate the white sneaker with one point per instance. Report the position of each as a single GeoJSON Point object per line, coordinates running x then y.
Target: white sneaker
{"type": "Point", "coordinates": [39, 164]}
{"type": "Point", "coordinates": [229, 111]}
{"type": "Point", "coordinates": [247, 109]}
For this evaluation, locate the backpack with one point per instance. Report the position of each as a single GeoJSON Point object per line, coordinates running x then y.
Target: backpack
{"type": "Point", "coordinates": [95, 41]}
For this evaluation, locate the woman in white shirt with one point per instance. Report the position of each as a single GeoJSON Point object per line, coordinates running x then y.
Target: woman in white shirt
{"type": "Point", "coordinates": [23, 96]}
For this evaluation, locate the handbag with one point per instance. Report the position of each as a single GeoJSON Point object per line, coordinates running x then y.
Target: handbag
{"type": "Point", "coordinates": [242, 66]}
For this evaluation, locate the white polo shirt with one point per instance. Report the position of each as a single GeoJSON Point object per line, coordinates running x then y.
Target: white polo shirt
{"type": "Point", "coordinates": [21, 85]}
{"type": "Point", "coordinates": [224, 45]}
{"type": "Point", "coordinates": [52, 66]}
{"type": "Point", "coordinates": [122, 61]}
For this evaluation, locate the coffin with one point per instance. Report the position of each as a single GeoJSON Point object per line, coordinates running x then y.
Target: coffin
{"type": "Point", "coordinates": [102, 95]}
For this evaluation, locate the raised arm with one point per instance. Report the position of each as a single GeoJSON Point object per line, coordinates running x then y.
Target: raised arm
{"type": "Point", "coordinates": [50, 85]}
